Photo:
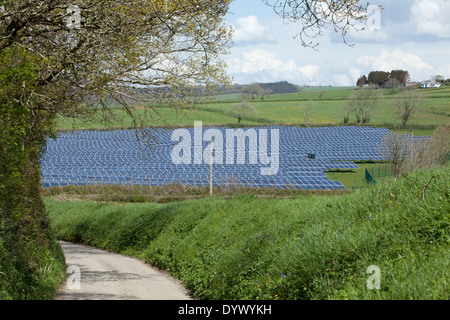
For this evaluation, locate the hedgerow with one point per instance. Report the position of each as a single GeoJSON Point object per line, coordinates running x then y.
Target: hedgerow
{"type": "Point", "coordinates": [310, 247]}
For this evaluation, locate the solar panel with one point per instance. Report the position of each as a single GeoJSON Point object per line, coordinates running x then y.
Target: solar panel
{"type": "Point", "coordinates": [117, 157]}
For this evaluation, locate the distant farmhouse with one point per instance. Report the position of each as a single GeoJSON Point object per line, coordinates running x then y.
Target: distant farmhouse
{"type": "Point", "coordinates": [430, 84]}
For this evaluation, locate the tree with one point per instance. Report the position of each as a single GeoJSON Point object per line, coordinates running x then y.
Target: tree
{"type": "Point", "coordinates": [241, 110]}
{"type": "Point", "coordinates": [378, 78]}
{"type": "Point", "coordinates": [251, 91]}
{"type": "Point", "coordinates": [408, 103]}
{"type": "Point", "coordinates": [264, 93]}
{"type": "Point", "coordinates": [307, 112]}
{"type": "Point", "coordinates": [395, 149]}
{"type": "Point", "coordinates": [315, 16]}
{"type": "Point", "coordinates": [404, 153]}
{"type": "Point", "coordinates": [121, 47]}
{"type": "Point", "coordinates": [346, 113]}
{"type": "Point", "coordinates": [74, 58]}
{"type": "Point", "coordinates": [438, 78]}
{"type": "Point", "coordinates": [401, 76]}
{"type": "Point", "coordinates": [363, 103]}
{"type": "Point", "coordinates": [362, 81]}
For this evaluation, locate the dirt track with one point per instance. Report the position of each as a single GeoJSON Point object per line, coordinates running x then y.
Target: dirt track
{"type": "Point", "coordinates": [99, 275]}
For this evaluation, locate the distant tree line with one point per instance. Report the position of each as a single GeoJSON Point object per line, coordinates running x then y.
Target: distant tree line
{"type": "Point", "coordinates": [280, 87]}
{"type": "Point", "coordinates": [384, 79]}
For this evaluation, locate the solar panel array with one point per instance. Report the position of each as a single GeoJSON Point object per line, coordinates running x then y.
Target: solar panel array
{"type": "Point", "coordinates": [118, 157]}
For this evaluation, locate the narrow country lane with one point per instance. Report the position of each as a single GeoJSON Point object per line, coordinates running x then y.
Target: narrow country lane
{"type": "Point", "coordinates": [95, 274]}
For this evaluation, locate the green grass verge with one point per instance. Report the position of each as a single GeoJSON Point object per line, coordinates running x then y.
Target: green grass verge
{"type": "Point", "coordinates": [309, 247]}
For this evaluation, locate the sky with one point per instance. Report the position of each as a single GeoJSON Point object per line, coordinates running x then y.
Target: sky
{"type": "Point", "coordinates": [412, 35]}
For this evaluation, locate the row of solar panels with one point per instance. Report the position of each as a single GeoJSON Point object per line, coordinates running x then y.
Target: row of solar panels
{"type": "Point", "coordinates": [117, 157]}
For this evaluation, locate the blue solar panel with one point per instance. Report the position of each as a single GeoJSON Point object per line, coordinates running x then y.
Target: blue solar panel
{"type": "Point", "coordinates": [117, 157]}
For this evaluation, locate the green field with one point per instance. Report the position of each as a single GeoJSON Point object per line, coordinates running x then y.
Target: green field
{"type": "Point", "coordinates": [158, 117]}
{"type": "Point", "coordinates": [287, 109]}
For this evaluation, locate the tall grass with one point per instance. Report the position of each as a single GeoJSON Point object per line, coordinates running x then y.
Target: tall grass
{"type": "Point", "coordinates": [310, 247]}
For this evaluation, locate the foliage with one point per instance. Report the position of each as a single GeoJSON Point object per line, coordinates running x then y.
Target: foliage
{"type": "Point", "coordinates": [363, 103]}
{"type": "Point", "coordinates": [405, 154]}
{"type": "Point", "coordinates": [34, 272]}
{"type": "Point", "coordinates": [378, 78]}
{"type": "Point", "coordinates": [252, 91]}
{"type": "Point", "coordinates": [161, 54]}
{"type": "Point", "coordinates": [309, 247]}
{"type": "Point", "coordinates": [280, 87]}
{"type": "Point", "coordinates": [385, 79]}
{"type": "Point", "coordinates": [124, 52]}
{"type": "Point", "coordinates": [31, 262]}
{"type": "Point", "coordinates": [401, 76]}
{"type": "Point", "coordinates": [241, 110]}
{"type": "Point", "coordinates": [362, 81]}
{"type": "Point", "coordinates": [407, 104]}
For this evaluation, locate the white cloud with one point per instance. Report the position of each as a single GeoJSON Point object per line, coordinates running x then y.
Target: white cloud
{"type": "Point", "coordinates": [396, 59]}
{"type": "Point", "coordinates": [250, 31]}
{"type": "Point", "coordinates": [371, 35]}
{"type": "Point", "coordinates": [266, 66]}
{"type": "Point", "coordinates": [354, 73]}
{"type": "Point", "coordinates": [342, 80]}
{"type": "Point", "coordinates": [443, 70]}
{"type": "Point", "coordinates": [310, 71]}
{"type": "Point", "coordinates": [432, 17]}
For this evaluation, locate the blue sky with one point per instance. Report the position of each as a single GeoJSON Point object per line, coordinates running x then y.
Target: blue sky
{"type": "Point", "coordinates": [414, 35]}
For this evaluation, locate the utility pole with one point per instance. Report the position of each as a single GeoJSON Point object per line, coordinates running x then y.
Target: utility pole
{"type": "Point", "coordinates": [211, 168]}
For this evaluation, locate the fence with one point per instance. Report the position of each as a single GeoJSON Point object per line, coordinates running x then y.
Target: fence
{"type": "Point", "coordinates": [374, 174]}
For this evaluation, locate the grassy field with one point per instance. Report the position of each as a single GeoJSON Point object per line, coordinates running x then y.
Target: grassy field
{"type": "Point", "coordinates": [288, 109]}
{"type": "Point", "coordinates": [306, 247]}
{"type": "Point", "coordinates": [158, 117]}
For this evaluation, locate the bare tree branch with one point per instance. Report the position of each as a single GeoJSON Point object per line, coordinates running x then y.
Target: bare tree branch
{"type": "Point", "coordinates": [315, 16]}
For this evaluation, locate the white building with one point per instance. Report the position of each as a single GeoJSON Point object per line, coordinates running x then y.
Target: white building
{"type": "Point", "coordinates": [430, 84]}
